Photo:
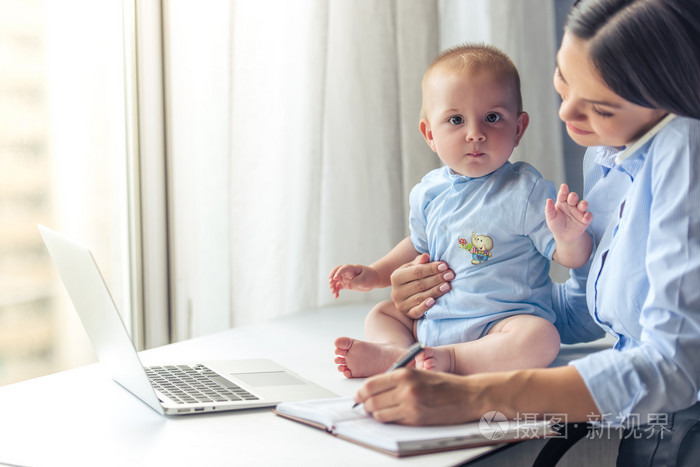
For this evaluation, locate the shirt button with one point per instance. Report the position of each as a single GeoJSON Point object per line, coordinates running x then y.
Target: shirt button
{"type": "Point", "coordinates": [443, 227]}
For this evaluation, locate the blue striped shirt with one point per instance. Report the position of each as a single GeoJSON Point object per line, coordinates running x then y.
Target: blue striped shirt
{"type": "Point", "coordinates": [643, 282]}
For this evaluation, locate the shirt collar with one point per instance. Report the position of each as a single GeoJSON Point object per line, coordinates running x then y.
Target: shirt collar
{"type": "Point", "coordinates": [457, 179]}
{"type": "Point", "coordinates": [605, 157]}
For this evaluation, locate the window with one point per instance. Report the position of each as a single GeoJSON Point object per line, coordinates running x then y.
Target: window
{"type": "Point", "coordinates": [63, 163]}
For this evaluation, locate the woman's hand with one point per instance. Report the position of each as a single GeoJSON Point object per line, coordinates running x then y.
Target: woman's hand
{"type": "Point", "coordinates": [416, 285]}
{"type": "Point", "coordinates": [418, 397]}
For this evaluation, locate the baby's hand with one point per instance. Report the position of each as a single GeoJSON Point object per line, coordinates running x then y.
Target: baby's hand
{"type": "Point", "coordinates": [568, 218]}
{"type": "Point", "coordinates": [353, 277]}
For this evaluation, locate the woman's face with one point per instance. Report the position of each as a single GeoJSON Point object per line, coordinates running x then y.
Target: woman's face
{"type": "Point", "coordinates": [593, 113]}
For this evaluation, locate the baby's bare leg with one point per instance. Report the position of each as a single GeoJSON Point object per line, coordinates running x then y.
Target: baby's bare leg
{"type": "Point", "coordinates": [387, 325]}
{"type": "Point", "coordinates": [388, 334]}
{"type": "Point", "coordinates": [516, 342]}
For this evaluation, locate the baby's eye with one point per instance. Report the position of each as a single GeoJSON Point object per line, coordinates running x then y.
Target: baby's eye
{"type": "Point", "coordinates": [456, 120]}
{"type": "Point", "coordinates": [493, 117]}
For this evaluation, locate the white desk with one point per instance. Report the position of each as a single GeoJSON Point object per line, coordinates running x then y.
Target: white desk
{"type": "Point", "coordinates": [59, 419]}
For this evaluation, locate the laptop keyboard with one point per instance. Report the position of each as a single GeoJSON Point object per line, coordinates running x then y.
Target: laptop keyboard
{"type": "Point", "coordinates": [186, 384]}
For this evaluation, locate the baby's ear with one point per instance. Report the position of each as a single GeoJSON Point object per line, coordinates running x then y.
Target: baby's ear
{"type": "Point", "coordinates": [427, 133]}
{"type": "Point", "coordinates": [522, 123]}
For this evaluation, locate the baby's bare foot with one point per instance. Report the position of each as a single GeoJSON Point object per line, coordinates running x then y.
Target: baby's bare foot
{"type": "Point", "coordinates": [359, 359]}
{"type": "Point", "coordinates": [436, 359]}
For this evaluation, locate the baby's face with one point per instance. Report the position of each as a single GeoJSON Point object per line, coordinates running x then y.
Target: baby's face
{"type": "Point", "coordinates": [472, 120]}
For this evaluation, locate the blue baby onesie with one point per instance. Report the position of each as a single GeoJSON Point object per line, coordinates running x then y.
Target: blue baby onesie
{"type": "Point", "coordinates": [492, 232]}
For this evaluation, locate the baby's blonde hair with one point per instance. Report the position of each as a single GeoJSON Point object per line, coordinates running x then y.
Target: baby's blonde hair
{"type": "Point", "coordinates": [473, 58]}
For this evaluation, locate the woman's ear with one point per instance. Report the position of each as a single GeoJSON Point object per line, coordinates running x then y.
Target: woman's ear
{"type": "Point", "coordinates": [523, 122]}
{"type": "Point", "coordinates": [427, 133]}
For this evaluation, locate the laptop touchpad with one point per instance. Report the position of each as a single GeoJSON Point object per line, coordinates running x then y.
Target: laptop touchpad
{"type": "Point", "coordinates": [271, 378]}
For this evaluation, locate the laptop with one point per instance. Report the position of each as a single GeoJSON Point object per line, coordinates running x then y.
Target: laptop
{"type": "Point", "coordinates": [176, 389]}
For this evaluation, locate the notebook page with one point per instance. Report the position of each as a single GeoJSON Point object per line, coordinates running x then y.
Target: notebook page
{"type": "Point", "coordinates": [329, 412]}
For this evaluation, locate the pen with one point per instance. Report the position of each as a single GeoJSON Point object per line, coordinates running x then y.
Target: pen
{"type": "Point", "coordinates": [404, 360]}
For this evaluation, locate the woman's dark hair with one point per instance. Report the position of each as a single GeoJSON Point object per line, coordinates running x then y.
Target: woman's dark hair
{"type": "Point", "coordinates": [646, 51]}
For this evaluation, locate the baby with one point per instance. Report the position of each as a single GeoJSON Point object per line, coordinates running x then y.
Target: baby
{"type": "Point", "coordinates": [494, 223]}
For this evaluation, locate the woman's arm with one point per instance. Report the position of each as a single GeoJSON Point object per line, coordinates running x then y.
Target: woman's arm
{"type": "Point", "coordinates": [417, 397]}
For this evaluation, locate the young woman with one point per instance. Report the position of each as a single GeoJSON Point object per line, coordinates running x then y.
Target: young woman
{"type": "Point", "coordinates": [627, 73]}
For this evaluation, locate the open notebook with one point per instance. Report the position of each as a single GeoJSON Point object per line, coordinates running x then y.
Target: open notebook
{"type": "Point", "coordinates": [337, 417]}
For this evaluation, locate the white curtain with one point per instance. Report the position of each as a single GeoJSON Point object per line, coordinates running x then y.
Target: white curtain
{"type": "Point", "coordinates": [293, 139]}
